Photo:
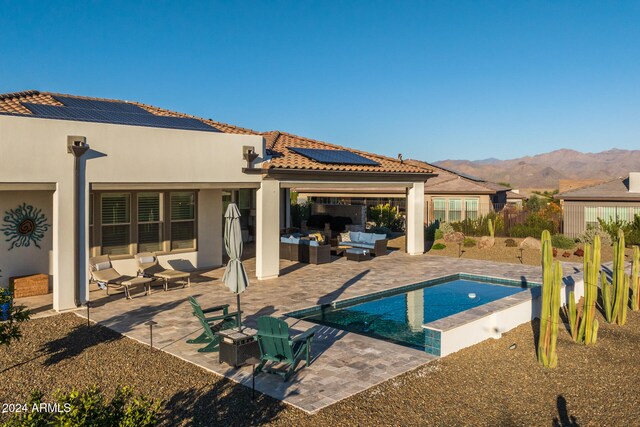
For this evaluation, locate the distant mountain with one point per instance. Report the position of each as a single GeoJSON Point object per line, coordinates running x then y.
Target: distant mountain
{"type": "Point", "coordinates": [545, 170]}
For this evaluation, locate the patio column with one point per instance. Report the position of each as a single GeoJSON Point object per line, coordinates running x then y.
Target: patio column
{"type": "Point", "coordinates": [415, 219]}
{"type": "Point", "coordinates": [63, 248]}
{"type": "Point", "coordinates": [268, 230]}
{"type": "Point", "coordinates": [210, 230]}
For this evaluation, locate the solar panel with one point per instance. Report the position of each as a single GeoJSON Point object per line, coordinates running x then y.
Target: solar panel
{"type": "Point", "coordinates": [91, 104]}
{"type": "Point", "coordinates": [338, 157]}
{"type": "Point", "coordinates": [117, 117]}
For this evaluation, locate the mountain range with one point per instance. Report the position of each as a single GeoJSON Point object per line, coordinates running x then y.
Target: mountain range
{"type": "Point", "coordinates": [545, 171]}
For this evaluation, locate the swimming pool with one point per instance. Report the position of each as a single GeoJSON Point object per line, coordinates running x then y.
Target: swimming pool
{"type": "Point", "coordinates": [398, 315]}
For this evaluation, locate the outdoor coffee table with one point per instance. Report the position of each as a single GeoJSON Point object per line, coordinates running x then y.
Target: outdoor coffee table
{"type": "Point", "coordinates": [237, 347]}
{"type": "Point", "coordinates": [358, 255]}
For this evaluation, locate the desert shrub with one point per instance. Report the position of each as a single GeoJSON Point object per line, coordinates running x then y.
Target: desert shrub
{"type": "Point", "coordinates": [386, 216]}
{"type": "Point", "coordinates": [632, 234]}
{"type": "Point", "coordinates": [631, 230]}
{"type": "Point", "coordinates": [438, 246]}
{"type": "Point", "coordinates": [591, 232]}
{"type": "Point", "coordinates": [381, 230]}
{"type": "Point", "coordinates": [446, 228]}
{"type": "Point", "coordinates": [431, 231]}
{"type": "Point", "coordinates": [300, 212]}
{"type": "Point", "coordinates": [469, 242]}
{"type": "Point", "coordinates": [533, 226]}
{"type": "Point", "coordinates": [534, 204]}
{"type": "Point", "coordinates": [480, 225]}
{"type": "Point", "coordinates": [439, 234]}
{"type": "Point", "coordinates": [89, 408]}
{"type": "Point", "coordinates": [562, 242]}
{"type": "Point", "coordinates": [510, 243]}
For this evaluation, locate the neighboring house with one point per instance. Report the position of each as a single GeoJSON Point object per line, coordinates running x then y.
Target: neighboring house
{"type": "Point", "coordinates": [453, 197]}
{"type": "Point", "coordinates": [150, 179]}
{"type": "Point", "coordinates": [514, 198]}
{"type": "Point", "coordinates": [618, 199]}
{"type": "Point", "coordinates": [450, 196]}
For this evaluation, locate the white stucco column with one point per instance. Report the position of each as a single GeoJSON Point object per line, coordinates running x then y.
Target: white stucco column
{"type": "Point", "coordinates": [210, 230]}
{"type": "Point", "coordinates": [63, 251]}
{"type": "Point", "coordinates": [415, 219]}
{"type": "Point", "coordinates": [267, 230]}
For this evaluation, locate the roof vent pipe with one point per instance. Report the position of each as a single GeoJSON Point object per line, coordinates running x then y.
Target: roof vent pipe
{"type": "Point", "coordinates": [634, 182]}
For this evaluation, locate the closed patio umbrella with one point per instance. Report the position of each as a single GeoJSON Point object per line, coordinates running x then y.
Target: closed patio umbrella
{"type": "Point", "coordinates": [235, 277]}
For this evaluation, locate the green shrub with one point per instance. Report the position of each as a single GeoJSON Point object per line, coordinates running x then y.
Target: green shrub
{"type": "Point", "coordinates": [439, 234]}
{"type": "Point", "coordinates": [10, 329]}
{"type": "Point", "coordinates": [480, 225]}
{"type": "Point", "coordinates": [562, 242]}
{"type": "Point", "coordinates": [89, 408]}
{"type": "Point", "coordinates": [533, 226]}
{"type": "Point", "coordinates": [631, 230]}
{"type": "Point", "coordinates": [438, 246]}
{"type": "Point", "coordinates": [386, 216]}
{"type": "Point", "coordinates": [469, 242]}
{"type": "Point", "coordinates": [431, 231]}
{"type": "Point", "coordinates": [300, 212]}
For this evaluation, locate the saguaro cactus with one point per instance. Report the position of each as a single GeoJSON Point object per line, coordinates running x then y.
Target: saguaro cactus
{"type": "Point", "coordinates": [550, 310]}
{"type": "Point", "coordinates": [584, 325]}
{"type": "Point", "coordinates": [635, 298]}
{"type": "Point", "coordinates": [620, 283]}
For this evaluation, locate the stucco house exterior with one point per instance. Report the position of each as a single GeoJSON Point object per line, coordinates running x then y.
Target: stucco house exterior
{"type": "Point", "coordinates": [87, 176]}
{"type": "Point", "coordinates": [618, 199]}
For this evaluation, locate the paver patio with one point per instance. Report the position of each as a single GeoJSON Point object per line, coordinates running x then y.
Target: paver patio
{"type": "Point", "coordinates": [343, 363]}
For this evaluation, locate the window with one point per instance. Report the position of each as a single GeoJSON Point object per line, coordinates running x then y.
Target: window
{"type": "Point", "coordinates": [116, 221]}
{"type": "Point", "coordinates": [149, 222]}
{"type": "Point", "coordinates": [471, 208]}
{"type": "Point", "coordinates": [439, 210]}
{"type": "Point", "coordinates": [455, 210]}
{"type": "Point", "coordinates": [590, 216]}
{"type": "Point", "coordinates": [183, 220]}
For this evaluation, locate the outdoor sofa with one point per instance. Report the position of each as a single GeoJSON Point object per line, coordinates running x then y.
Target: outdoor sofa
{"type": "Point", "coordinates": [300, 248]}
{"type": "Point", "coordinates": [375, 243]}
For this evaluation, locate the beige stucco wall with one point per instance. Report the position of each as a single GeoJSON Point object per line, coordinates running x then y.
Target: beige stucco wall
{"type": "Point", "coordinates": [24, 260]}
{"type": "Point", "coordinates": [34, 151]}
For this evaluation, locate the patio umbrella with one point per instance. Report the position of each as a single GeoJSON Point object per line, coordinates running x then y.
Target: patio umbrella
{"type": "Point", "coordinates": [235, 277]}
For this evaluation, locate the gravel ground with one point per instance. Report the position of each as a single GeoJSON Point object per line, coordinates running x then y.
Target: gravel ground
{"type": "Point", "coordinates": [487, 384]}
{"type": "Point", "coordinates": [501, 253]}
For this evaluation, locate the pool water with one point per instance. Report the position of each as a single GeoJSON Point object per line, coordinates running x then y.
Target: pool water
{"type": "Point", "coordinates": [399, 317]}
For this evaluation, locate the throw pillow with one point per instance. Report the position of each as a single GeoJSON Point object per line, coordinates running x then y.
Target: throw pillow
{"type": "Point", "coordinates": [147, 259]}
{"type": "Point", "coordinates": [345, 237]}
{"type": "Point", "coordinates": [103, 265]}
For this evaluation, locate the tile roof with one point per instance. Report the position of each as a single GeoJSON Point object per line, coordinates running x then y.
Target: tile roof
{"type": "Point", "coordinates": [276, 141]}
{"type": "Point", "coordinates": [449, 181]}
{"type": "Point", "coordinates": [614, 190]}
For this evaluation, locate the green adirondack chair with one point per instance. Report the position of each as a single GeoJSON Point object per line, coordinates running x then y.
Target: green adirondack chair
{"type": "Point", "coordinates": [211, 325]}
{"type": "Point", "coordinates": [278, 348]}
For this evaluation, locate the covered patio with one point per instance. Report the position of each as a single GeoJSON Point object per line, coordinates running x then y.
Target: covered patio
{"type": "Point", "coordinates": [343, 363]}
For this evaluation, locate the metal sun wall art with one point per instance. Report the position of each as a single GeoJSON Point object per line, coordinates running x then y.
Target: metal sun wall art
{"type": "Point", "coordinates": [24, 225]}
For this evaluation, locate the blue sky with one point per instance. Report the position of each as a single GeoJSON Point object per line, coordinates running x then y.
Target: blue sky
{"type": "Point", "coordinates": [430, 79]}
